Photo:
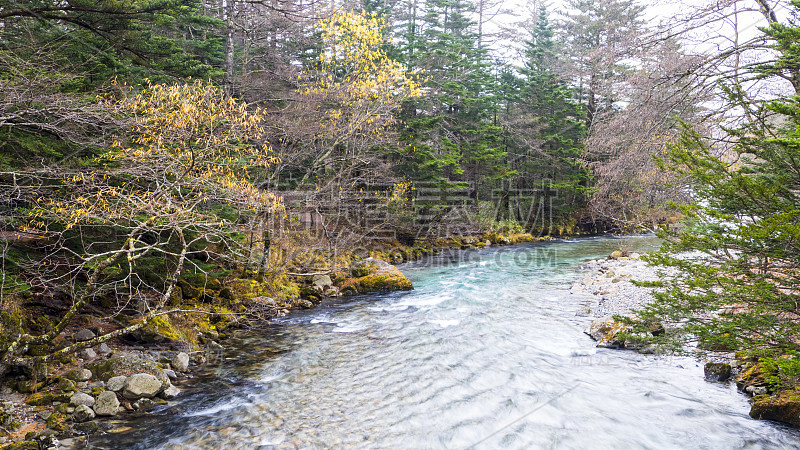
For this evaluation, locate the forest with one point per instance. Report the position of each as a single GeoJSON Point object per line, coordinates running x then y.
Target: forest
{"type": "Point", "coordinates": [172, 167]}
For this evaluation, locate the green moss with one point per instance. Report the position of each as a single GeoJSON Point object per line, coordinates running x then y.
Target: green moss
{"type": "Point", "coordinates": [24, 445]}
{"type": "Point", "coordinates": [163, 326]}
{"type": "Point", "coordinates": [40, 399]}
{"type": "Point", "coordinates": [57, 421]}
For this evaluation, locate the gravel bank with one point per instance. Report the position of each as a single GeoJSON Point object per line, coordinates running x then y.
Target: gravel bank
{"type": "Point", "coordinates": [609, 282]}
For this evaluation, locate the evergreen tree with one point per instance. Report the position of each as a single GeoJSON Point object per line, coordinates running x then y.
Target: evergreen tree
{"type": "Point", "coordinates": [448, 135]}
{"type": "Point", "coordinates": [551, 131]}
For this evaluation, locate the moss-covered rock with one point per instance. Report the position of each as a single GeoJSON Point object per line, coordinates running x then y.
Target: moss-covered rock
{"type": "Point", "coordinates": [66, 385]}
{"type": "Point", "coordinates": [124, 365]}
{"type": "Point", "coordinates": [752, 375]}
{"type": "Point", "coordinates": [40, 399]}
{"type": "Point", "coordinates": [57, 421]}
{"type": "Point", "coordinates": [783, 407]}
{"type": "Point", "coordinates": [380, 277]}
{"type": "Point", "coordinates": [715, 371]}
{"type": "Point", "coordinates": [24, 445]}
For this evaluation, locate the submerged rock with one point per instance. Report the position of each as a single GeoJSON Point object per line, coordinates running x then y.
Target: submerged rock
{"type": "Point", "coordinates": [717, 371]}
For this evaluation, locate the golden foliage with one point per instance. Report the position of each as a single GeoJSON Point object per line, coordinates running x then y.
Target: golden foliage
{"type": "Point", "coordinates": [360, 83]}
{"type": "Point", "coordinates": [190, 145]}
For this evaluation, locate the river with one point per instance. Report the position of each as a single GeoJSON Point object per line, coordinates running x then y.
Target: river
{"type": "Point", "coordinates": [487, 352]}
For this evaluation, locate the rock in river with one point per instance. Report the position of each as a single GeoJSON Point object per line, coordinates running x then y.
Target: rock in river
{"type": "Point", "coordinates": [605, 330]}
{"type": "Point", "coordinates": [717, 371]}
{"type": "Point", "coordinates": [180, 362]}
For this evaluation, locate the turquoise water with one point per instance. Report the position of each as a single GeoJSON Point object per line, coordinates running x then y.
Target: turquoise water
{"type": "Point", "coordinates": [487, 352]}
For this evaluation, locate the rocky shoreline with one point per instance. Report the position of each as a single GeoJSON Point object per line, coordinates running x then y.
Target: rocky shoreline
{"type": "Point", "coordinates": [89, 391]}
{"type": "Point", "coordinates": [609, 282]}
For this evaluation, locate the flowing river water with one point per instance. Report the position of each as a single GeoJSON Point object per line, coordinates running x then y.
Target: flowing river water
{"type": "Point", "coordinates": [487, 352]}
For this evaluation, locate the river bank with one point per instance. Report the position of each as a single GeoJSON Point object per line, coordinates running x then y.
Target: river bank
{"type": "Point", "coordinates": [610, 281]}
{"type": "Point", "coordinates": [76, 397]}
{"type": "Point", "coordinates": [485, 339]}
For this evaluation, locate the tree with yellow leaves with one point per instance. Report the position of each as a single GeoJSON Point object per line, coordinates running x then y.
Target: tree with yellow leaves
{"type": "Point", "coordinates": [173, 191]}
{"type": "Point", "coordinates": [347, 99]}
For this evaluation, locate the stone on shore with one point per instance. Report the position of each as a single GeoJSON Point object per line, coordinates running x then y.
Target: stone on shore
{"type": "Point", "coordinates": [83, 414]}
{"type": "Point", "coordinates": [87, 353]}
{"type": "Point", "coordinates": [321, 282]}
{"type": "Point", "coordinates": [79, 398]}
{"type": "Point", "coordinates": [375, 275]}
{"type": "Point", "coordinates": [180, 362]}
{"type": "Point", "coordinates": [116, 384]}
{"type": "Point", "coordinates": [79, 375]}
{"type": "Point", "coordinates": [142, 385]}
{"type": "Point", "coordinates": [104, 349]}
{"type": "Point", "coordinates": [783, 407]}
{"type": "Point", "coordinates": [107, 404]}
{"type": "Point", "coordinates": [83, 335]}
{"type": "Point", "coordinates": [605, 330]}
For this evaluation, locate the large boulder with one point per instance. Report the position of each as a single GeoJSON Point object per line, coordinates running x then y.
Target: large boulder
{"type": "Point", "coordinates": [783, 407]}
{"type": "Point", "coordinates": [107, 404]}
{"type": "Point", "coordinates": [125, 364]}
{"type": "Point", "coordinates": [375, 275]}
{"type": "Point", "coordinates": [142, 385]}
{"type": "Point", "coordinates": [605, 331]}
{"type": "Point", "coordinates": [321, 282]}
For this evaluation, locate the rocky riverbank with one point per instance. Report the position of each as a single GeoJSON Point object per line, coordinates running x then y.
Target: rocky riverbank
{"type": "Point", "coordinates": [610, 283]}
{"type": "Point", "coordinates": [61, 404]}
